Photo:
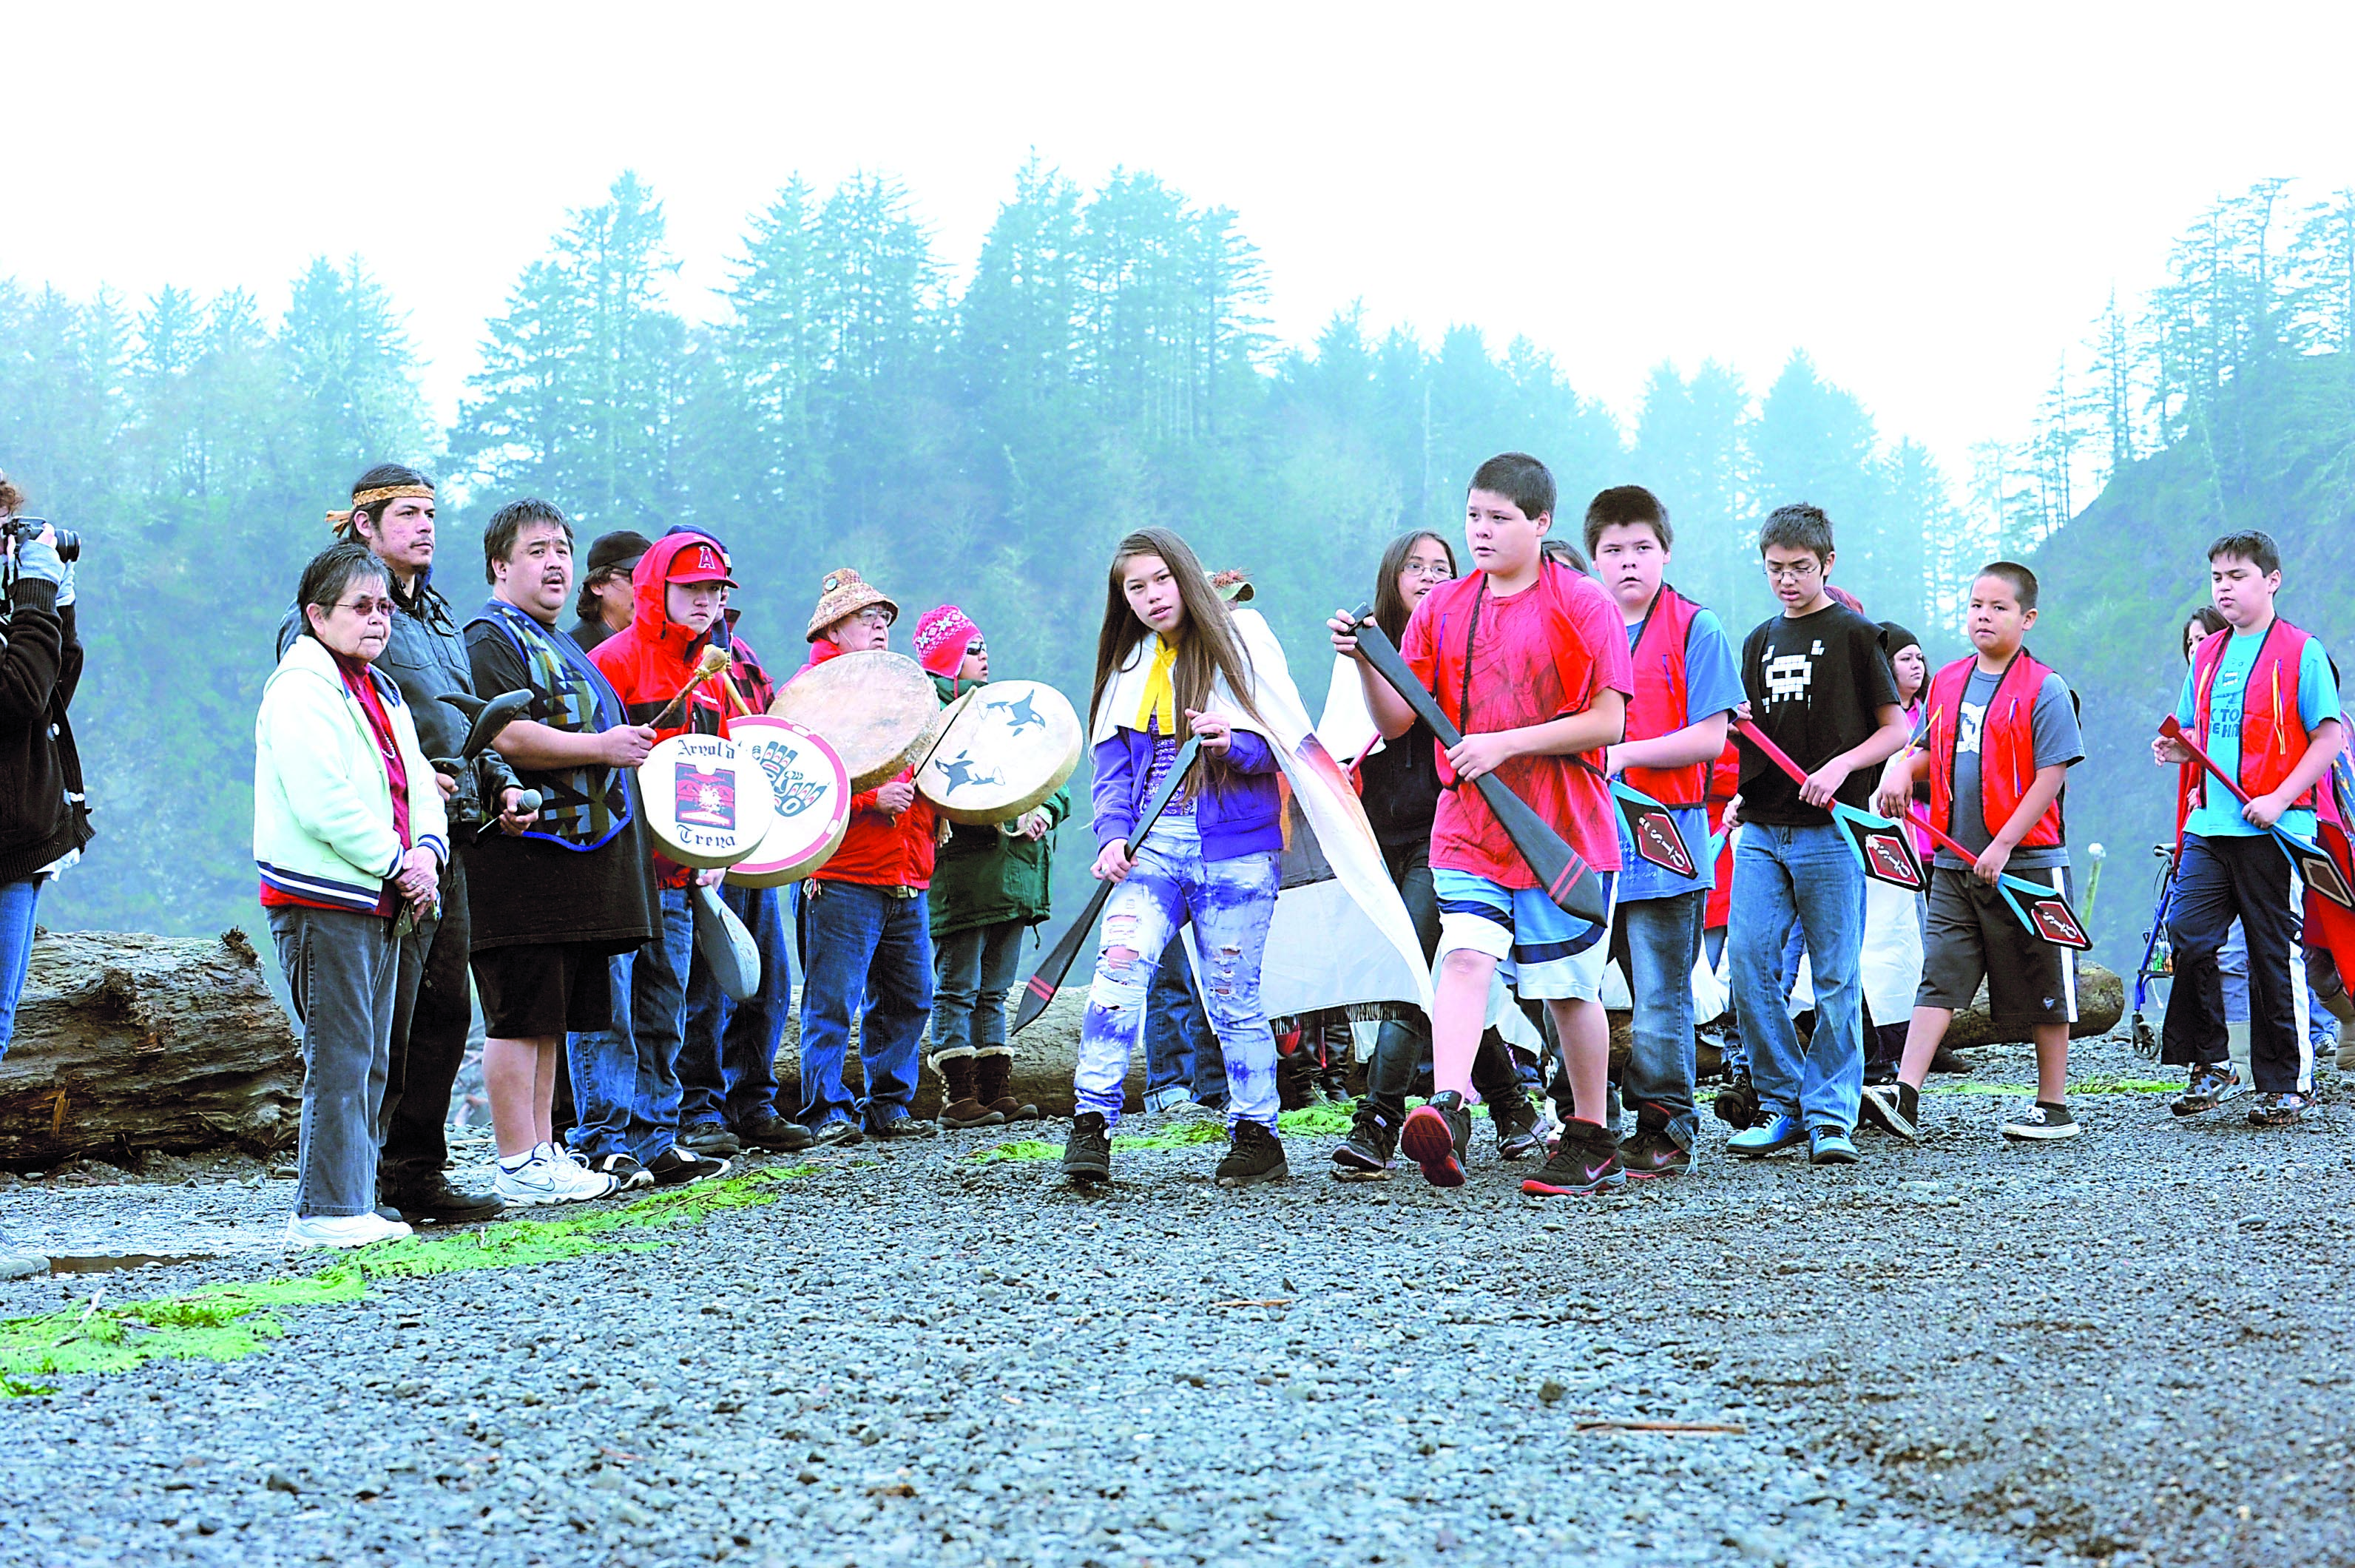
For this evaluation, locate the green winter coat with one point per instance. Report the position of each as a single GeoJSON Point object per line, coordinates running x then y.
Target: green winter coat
{"type": "Point", "coordinates": [983, 877]}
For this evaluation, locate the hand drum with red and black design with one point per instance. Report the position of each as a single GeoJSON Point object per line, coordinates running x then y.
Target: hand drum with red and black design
{"type": "Point", "coordinates": [811, 792]}
{"type": "Point", "coordinates": [706, 802]}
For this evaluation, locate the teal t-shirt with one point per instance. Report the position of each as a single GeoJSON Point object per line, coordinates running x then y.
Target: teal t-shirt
{"type": "Point", "coordinates": [2219, 816]}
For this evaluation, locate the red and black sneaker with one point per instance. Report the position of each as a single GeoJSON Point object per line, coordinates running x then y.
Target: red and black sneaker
{"type": "Point", "coordinates": [1585, 1163]}
{"type": "Point", "coordinates": [1435, 1136]}
{"type": "Point", "coordinates": [1652, 1153]}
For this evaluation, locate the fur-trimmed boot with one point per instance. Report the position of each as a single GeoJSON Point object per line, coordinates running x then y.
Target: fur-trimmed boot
{"type": "Point", "coordinates": [959, 1107]}
{"type": "Point", "coordinates": [994, 1073]}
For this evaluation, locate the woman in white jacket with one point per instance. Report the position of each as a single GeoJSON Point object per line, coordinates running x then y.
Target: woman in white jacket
{"type": "Point", "coordinates": [349, 835]}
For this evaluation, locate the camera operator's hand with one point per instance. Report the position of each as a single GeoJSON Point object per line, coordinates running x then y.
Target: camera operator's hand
{"type": "Point", "coordinates": [37, 556]}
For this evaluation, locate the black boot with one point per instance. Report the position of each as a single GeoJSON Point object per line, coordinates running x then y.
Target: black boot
{"type": "Point", "coordinates": [428, 1196]}
{"type": "Point", "coordinates": [1365, 1154]}
{"type": "Point", "coordinates": [959, 1108]}
{"type": "Point", "coordinates": [993, 1078]}
{"type": "Point", "coordinates": [1253, 1158]}
{"type": "Point", "coordinates": [1087, 1153]}
{"type": "Point", "coordinates": [1737, 1103]}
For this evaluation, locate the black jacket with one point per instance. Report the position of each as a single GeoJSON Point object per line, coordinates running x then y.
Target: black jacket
{"type": "Point", "coordinates": [43, 815]}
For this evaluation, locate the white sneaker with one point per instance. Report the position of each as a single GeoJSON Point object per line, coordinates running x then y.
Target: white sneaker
{"type": "Point", "coordinates": [535, 1181]}
{"type": "Point", "coordinates": [342, 1230]}
{"type": "Point", "coordinates": [577, 1181]}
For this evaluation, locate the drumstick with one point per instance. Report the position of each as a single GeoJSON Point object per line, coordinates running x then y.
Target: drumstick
{"type": "Point", "coordinates": [714, 660]}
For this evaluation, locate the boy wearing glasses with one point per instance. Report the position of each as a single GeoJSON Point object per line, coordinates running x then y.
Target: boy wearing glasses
{"type": "Point", "coordinates": [1819, 686]}
{"type": "Point", "coordinates": [866, 924]}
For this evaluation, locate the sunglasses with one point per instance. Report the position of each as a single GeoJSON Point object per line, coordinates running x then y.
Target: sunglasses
{"type": "Point", "coordinates": [367, 609]}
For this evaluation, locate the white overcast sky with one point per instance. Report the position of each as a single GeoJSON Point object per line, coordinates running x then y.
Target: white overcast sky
{"type": "Point", "coordinates": [1932, 200]}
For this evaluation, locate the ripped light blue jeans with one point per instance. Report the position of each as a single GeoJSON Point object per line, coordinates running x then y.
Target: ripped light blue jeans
{"type": "Point", "coordinates": [1229, 902]}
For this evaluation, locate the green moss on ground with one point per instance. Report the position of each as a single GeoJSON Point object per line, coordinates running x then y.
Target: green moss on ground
{"type": "Point", "coordinates": [1316, 1121]}
{"type": "Point", "coordinates": [225, 1322]}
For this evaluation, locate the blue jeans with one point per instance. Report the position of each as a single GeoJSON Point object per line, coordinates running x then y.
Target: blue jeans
{"type": "Point", "coordinates": [858, 940]}
{"type": "Point", "coordinates": [1229, 902]}
{"type": "Point", "coordinates": [1805, 874]}
{"type": "Point", "coordinates": [17, 900]}
{"type": "Point", "coordinates": [1659, 940]}
{"type": "Point", "coordinates": [625, 1078]}
{"type": "Point", "coordinates": [726, 1061]}
{"type": "Point", "coordinates": [1180, 1052]}
{"type": "Point", "coordinates": [972, 971]}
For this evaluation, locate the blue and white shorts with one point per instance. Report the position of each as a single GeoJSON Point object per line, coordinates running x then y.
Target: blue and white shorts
{"type": "Point", "coordinates": [1543, 953]}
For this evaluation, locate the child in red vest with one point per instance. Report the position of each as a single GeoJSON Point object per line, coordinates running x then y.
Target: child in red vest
{"type": "Point", "coordinates": [1998, 736]}
{"type": "Point", "coordinates": [1530, 660]}
{"type": "Point", "coordinates": [1686, 687]}
{"type": "Point", "coordinates": [2262, 700]}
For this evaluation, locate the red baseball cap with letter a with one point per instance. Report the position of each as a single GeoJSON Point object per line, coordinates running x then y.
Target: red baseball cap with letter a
{"type": "Point", "coordinates": [700, 560]}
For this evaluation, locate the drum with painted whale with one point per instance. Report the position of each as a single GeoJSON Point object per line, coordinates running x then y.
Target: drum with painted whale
{"type": "Point", "coordinates": [706, 803]}
{"type": "Point", "coordinates": [811, 791]}
{"type": "Point", "coordinates": [875, 708]}
{"type": "Point", "coordinates": [1006, 747]}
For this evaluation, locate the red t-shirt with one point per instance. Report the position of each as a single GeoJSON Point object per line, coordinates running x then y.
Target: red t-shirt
{"type": "Point", "coordinates": [1540, 655]}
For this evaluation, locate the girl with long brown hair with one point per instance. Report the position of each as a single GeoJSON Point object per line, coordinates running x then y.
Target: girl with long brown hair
{"type": "Point", "coordinates": [1172, 664]}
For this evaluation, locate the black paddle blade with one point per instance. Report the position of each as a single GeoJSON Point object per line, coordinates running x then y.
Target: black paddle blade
{"type": "Point", "coordinates": [1567, 879]}
{"type": "Point", "coordinates": [1656, 838]}
{"type": "Point", "coordinates": [1560, 870]}
{"type": "Point", "coordinates": [1058, 964]}
{"type": "Point", "coordinates": [1886, 850]}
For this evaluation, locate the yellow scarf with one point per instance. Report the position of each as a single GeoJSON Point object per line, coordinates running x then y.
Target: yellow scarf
{"type": "Point", "coordinates": [1160, 702]}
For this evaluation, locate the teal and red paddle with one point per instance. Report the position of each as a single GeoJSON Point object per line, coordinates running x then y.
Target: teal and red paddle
{"type": "Point", "coordinates": [1882, 848]}
{"type": "Point", "coordinates": [2046, 912]}
{"type": "Point", "coordinates": [2314, 863]}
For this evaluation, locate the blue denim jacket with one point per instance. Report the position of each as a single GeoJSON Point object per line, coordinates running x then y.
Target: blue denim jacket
{"type": "Point", "coordinates": [1238, 820]}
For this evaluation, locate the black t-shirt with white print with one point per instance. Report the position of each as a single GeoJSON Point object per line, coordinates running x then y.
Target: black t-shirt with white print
{"type": "Point", "coordinates": [1816, 685]}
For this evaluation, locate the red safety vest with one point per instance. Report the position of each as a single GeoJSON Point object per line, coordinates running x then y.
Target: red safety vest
{"type": "Point", "coordinates": [2273, 736]}
{"type": "Point", "coordinates": [1659, 705]}
{"type": "Point", "coordinates": [2007, 747]}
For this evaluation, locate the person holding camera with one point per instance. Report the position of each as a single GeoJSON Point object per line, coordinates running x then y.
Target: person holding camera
{"type": "Point", "coordinates": [44, 820]}
{"type": "Point", "coordinates": [392, 516]}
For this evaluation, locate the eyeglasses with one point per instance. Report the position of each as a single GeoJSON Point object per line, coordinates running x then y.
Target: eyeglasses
{"type": "Point", "coordinates": [873, 615]}
{"type": "Point", "coordinates": [1434, 568]}
{"type": "Point", "coordinates": [1797, 571]}
{"type": "Point", "coordinates": [367, 609]}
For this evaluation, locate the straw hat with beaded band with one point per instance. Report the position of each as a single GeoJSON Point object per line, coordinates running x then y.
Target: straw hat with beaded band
{"type": "Point", "coordinates": [844, 593]}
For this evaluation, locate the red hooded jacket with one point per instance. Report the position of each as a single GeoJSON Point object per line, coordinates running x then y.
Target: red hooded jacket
{"type": "Point", "coordinates": [879, 851]}
{"type": "Point", "coordinates": [649, 660]}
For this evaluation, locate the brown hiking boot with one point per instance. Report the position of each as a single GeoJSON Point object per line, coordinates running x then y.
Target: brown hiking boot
{"type": "Point", "coordinates": [994, 1071]}
{"type": "Point", "coordinates": [959, 1108]}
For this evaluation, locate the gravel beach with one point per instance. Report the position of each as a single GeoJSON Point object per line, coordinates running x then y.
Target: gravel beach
{"type": "Point", "coordinates": [2124, 1349]}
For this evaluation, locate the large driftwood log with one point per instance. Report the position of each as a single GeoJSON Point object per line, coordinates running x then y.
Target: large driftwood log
{"type": "Point", "coordinates": [127, 1042]}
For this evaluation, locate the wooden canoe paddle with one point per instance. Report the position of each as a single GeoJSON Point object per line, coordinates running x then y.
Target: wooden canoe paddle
{"type": "Point", "coordinates": [2314, 866]}
{"type": "Point", "coordinates": [1058, 964]}
{"type": "Point", "coordinates": [1560, 871]}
